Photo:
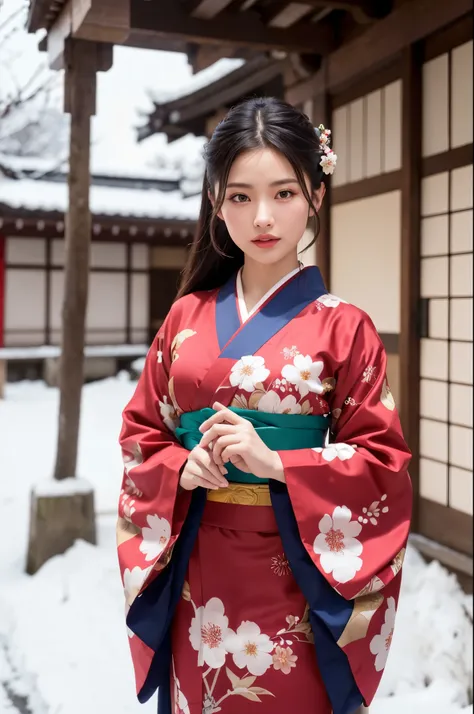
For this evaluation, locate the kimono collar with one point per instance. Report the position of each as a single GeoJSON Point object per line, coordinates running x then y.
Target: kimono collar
{"type": "Point", "coordinates": [244, 312]}
{"type": "Point", "coordinates": [285, 302]}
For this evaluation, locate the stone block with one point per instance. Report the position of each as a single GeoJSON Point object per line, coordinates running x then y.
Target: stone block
{"type": "Point", "coordinates": [59, 515]}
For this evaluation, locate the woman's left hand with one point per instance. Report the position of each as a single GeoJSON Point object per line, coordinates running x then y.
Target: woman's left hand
{"type": "Point", "coordinates": [234, 439]}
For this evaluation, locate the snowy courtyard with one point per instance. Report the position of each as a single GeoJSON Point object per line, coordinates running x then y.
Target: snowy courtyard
{"type": "Point", "coordinates": [63, 643]}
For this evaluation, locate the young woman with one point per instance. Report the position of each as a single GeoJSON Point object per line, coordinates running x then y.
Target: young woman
{"type": "Point", "coordinates": [266, 504]}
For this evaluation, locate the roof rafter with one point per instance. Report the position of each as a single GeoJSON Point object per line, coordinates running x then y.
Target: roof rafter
{"type": "Point", "coordinates": [284, 14]}
{"type": "Point", "coordinates": [362, 10]}
{"type": "Point", "coordinates": [232, 28]}
{"type": "Point", "coordinates": [206, 9]}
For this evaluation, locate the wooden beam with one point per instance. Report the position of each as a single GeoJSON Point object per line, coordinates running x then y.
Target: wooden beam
{"type": "Point", "coordinates": [445, 525]}
{"type": "Point", "coordinates": [22, 223]}
{"type": "Point", "coordinates": [411, 261]}
{"type": "Point", "coordinates": [155, 42]}
{"type": "Point", "coordinates": [449, 37]}
{"type": "Point", "coordinates": [448, 160]}
{"type": "Point", "coordinates": [101, 20]}
{"type": "Point", "coordinates": [381, 44]}
{"type": "Point", "coordinates": [366, 188]}
{"type": "Point", "coordinates": [36, 13]}
{"type": "Point", "coordinates": [409, 23]}
{"type": "Point", "coordinates": [452, 559]}
{"type": "Point", "coordinates": [202, 56]}
{"type": "Point", "coordinates": [238, 28]}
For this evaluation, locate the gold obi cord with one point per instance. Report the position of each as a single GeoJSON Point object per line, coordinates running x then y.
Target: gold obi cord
{"type": "Point", "coordinates": [242, 494]}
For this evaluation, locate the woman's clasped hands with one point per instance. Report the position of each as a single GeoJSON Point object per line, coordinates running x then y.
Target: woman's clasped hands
{"type": "Point", "coordinates": [227, 437]}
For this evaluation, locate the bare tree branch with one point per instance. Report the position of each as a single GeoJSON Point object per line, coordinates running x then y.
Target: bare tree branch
{"type": "Point", "coordinates": [31, 123]}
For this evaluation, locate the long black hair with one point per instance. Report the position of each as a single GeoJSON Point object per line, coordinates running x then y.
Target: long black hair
{"type": "Point", "coordinates": [256, 123]}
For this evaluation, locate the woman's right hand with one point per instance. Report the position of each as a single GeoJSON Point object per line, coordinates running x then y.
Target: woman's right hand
{"type": "Point", "coordinates": [200, 470]}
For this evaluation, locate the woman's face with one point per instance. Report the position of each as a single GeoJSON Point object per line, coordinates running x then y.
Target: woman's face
{"type": "Point", "coordinates": [264, 208]}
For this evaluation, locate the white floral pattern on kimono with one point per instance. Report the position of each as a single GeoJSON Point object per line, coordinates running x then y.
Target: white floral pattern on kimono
{"type": "Point", "coordinates": [380, 644]}
{"type": "Point", "coordinates": [209, 628]}
{"type": "Point", "coordinates": [272, 404]}
{"type": "Point", "coordinates": [181, 705]}
{"type": "Point", "coordinates": [304, 374]}
{"type": "Point", "coordinates": [169, 415]}
{"type": "Point", "coordinates": [250, 648]}
{"type": "Point", "coordinates": [248, 372]}
{"type": "Point", "coordinates": [338, 546]}
{"type": "Point", "coordinates": [132, 583]}
{"type": "Point", "coordinates": [133, 580]}
{"type": "Point", "coordinates": [339, 451]}
{"type": "Point", "coordinates": [329, 300]}
{"type": "Point", "coordinates": [132, 457]}
{"type": "Point", "coordinates": [156, 537]}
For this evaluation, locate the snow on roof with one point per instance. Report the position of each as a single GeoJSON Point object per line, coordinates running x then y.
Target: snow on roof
{"type": "Point", "coordinates": [40, 195]}
{"type": "Point", "coordinates": [39, 166]}
{"type": "Point", "coordinates": [201, 79]}
{"type": "Point", "coordinates": [122, 94]}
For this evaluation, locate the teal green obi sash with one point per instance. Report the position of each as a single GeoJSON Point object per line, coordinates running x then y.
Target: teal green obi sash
{"type": "Point", "coordinates": [280, 432]}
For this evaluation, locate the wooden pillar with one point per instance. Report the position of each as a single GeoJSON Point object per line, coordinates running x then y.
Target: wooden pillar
{"type": "Point", "coordinates": [322, 115]}
{"type": "Point", "coordinates": [80, 89]}
{"type": "Point", "coordinates": [3, 365]}
{"type": "Point", "coordinates": [411, 261]}
{"type": "Point", "coordinates": [128, 293]}
{"type": "Point", "coordinates": [61, 515]}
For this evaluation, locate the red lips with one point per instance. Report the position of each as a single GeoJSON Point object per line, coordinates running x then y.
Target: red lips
{"type": "Point", "coordinates": [265, 240]}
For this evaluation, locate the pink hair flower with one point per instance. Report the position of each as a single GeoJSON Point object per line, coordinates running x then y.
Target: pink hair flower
{"type": "Point", "coordinates": [328, 162]}
{"type": "Point", "coordinates": [329, 159]}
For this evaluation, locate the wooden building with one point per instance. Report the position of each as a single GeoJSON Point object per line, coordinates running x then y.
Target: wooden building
{"type": "Point", "coordinates": [140, 228]}
{"type": "Point", "coordinates": [393, 79]}
{"type": "Point", "coordinates": [198, 107]}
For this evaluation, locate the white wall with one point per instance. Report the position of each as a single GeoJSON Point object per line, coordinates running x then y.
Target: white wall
{"type": "Point", "coordinates": [26, 292]}
{"type": "Point", "coordinates": [365, 257]}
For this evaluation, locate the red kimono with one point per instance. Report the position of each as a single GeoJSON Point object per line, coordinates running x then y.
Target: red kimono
{"type": "Point", "coordinates": [266, 598]}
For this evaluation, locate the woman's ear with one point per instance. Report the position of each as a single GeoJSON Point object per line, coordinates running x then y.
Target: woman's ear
{"type": "Point", "coordinates": [318, 197]}
{"type": "Point", "coordinates": [213, 203]}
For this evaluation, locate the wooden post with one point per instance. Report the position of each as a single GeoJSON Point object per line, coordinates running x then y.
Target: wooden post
{"type": "Point", "coordinates": [3, 364]}
{"type": "Point", "coordinates": [411, 261]}
{"type": "Point", "coordinates": [322, 115]}
{"type": "Point", "coordinates": [63, 512]}
{"type": "Point", "coordinates": [80, 90]}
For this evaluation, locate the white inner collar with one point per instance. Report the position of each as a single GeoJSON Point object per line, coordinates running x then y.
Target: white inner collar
{"type": "Point", "coordinates": [244, 312]}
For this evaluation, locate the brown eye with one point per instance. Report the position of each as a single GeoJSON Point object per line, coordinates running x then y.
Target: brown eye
{"type": "Point", "coordinates": [286, 193]}
{"type": "Point", "coordinates": [239, 198]}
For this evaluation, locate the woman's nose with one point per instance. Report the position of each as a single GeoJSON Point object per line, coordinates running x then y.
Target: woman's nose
{"type": "Point", "coordinates": [263, 218]}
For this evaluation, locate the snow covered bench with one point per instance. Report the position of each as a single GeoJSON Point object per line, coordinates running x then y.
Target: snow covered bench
{"type": "Point", "coordinates": [100, 360]}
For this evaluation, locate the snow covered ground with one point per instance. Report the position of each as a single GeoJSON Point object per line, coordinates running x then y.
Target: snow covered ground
{"type": "Point", "coordinates": [63, 644]}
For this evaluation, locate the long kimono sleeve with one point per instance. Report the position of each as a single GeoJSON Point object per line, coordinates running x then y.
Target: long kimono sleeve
{"type": "Point", "coordinates": [151, 510]}
{"type": "Point", "coordinates": [352, 498]}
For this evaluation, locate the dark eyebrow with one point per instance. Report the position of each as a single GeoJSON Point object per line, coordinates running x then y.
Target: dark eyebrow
{"type": "Point", "coordinates": [280, 182]}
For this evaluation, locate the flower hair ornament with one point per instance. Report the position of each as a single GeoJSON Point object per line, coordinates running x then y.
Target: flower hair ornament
{"type": "Point", "coordinates": [329, 158]}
